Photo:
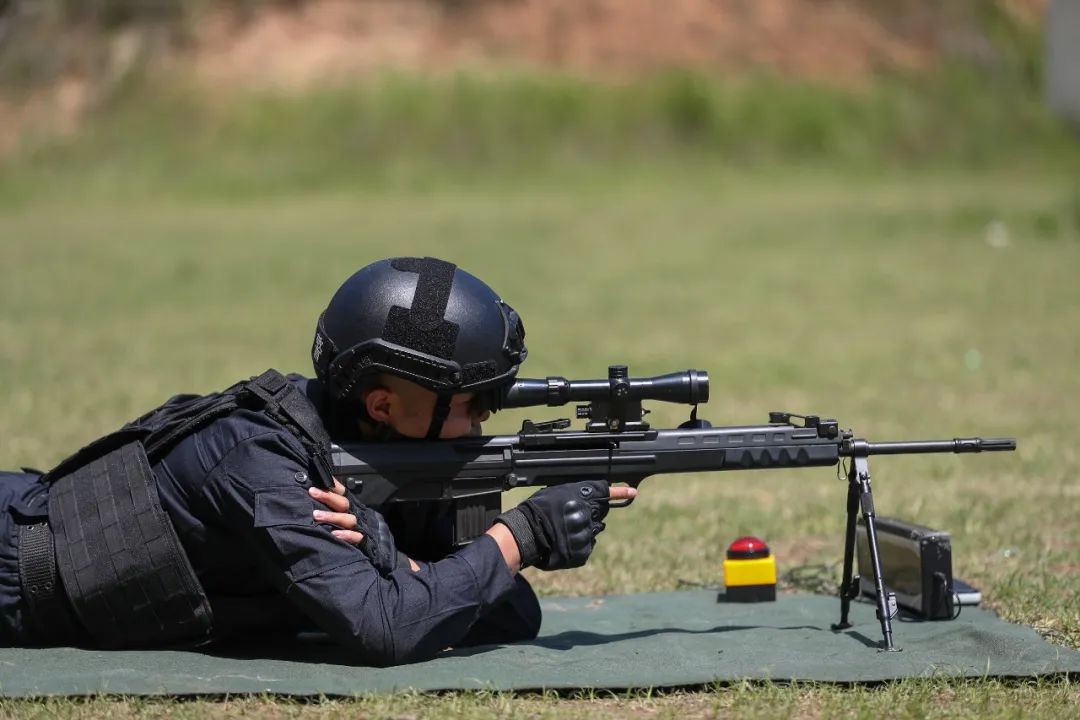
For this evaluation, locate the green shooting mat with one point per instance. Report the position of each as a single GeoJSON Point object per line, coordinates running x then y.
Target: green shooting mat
{"type": "Point", "coordinates": [655, 640]}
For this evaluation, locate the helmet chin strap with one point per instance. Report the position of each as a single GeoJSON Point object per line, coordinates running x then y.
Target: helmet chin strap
{"type": "Point", "coordinates": [439, 415]}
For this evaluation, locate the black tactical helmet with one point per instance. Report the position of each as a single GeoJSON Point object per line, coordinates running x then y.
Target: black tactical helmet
{"type": "Point", "coordinates": [422, 319]}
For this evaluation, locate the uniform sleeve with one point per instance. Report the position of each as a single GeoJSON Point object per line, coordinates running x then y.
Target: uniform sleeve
{"type": "Point", "coordinates": [259, 491]}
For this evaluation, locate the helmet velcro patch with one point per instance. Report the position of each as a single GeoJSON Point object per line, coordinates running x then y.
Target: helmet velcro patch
{"type": "Point", "coordinates": [423, 326]}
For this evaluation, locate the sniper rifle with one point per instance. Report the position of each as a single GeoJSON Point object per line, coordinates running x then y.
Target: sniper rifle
{"type": "Point", "coordinates": [618, 445]}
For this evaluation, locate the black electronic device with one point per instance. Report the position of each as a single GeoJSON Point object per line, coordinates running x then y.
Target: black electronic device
{"type": "Point", "coordinates": [917, 564]}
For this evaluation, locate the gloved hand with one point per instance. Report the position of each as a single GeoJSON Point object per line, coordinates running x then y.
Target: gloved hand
{"type": "Point", "coordinates": [378, 542]}
{"type": "Point", "coordinates": [359, 525]}
{"type": "Point", "coordinates": [556, 528]}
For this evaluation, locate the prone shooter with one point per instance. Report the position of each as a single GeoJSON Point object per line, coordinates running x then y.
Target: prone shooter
{"type": "Point", "coordinates": [202, 519]}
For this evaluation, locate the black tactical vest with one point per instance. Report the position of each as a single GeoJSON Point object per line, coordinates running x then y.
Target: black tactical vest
{"type": "Point", "coordinates": [108, 542]}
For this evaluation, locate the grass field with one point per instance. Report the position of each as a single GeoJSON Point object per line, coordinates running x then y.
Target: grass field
{"type": "Point", "coordinates": [908, 305]}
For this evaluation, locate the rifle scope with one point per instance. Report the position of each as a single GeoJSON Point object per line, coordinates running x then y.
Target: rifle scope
{"type": "Point", "coordinates": [689, 386]}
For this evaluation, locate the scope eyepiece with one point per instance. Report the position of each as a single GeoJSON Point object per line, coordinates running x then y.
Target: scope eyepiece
{"type": "Point", "coordinates": [689, 386]}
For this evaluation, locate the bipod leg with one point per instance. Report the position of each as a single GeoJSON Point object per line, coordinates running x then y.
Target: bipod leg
{"type": "Point", "coordinates": [861, 467]}
{"type": "Point", "coordinates": [849, 585]}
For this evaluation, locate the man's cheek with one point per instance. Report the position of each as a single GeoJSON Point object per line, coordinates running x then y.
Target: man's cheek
{"type": "Point", "coordinates": [455, 428]}
{"type": "Point", "coordinates": [412, 427]}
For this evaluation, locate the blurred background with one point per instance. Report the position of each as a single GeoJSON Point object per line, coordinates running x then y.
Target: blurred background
{"type": "Point", "coordinates": [867, 209]}
{"type": "Point", "coordinates": [249, 97]}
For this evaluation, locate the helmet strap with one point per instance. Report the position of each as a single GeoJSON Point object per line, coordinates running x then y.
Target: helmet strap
{"type": "Point", "coordinates": [439, 415]}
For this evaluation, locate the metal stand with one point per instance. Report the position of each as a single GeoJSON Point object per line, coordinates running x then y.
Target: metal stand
{"type": "Point", "coordinates": [859, 494]}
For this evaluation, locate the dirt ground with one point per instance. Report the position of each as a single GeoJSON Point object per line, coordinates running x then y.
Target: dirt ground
{"type": "Point", "coordinates": [835, 40]}
{"type": "Point", "coordinates": [295, 44]}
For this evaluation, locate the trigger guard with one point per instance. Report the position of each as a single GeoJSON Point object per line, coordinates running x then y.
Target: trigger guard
{"type": "Point", "coordinates": [620, 503]}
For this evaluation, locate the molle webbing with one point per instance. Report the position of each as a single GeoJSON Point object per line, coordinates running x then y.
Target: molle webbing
{"type": "Point", "coordinates": [183, 415]}
{"type": "Point", "coordinates": [125, 573]}
{"type": "Point", "coordinates": [119, 559]}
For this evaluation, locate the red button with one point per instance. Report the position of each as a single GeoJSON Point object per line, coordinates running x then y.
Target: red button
{"type": "Point", "coordinates": [747, 547]}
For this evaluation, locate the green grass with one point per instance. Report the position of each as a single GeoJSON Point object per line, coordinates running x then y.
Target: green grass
{"type": "Point", "coordinates": [989, 699]}
{"type": "Point", "coordinates": [875, 298]}
{"type": "Point", "coordinates": [163, 137]}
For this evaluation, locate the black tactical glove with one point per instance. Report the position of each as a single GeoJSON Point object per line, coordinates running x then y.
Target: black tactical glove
{"type": "Point", "coordinates": [556, 528]}
{"type": "Point", "coordinates": [378, 543]}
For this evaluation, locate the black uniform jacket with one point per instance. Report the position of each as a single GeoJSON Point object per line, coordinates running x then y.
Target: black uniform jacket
{"type": "Point", "coordinates": [237, 494]}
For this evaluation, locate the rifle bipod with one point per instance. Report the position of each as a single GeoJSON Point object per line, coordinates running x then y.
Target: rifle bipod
{"type": "Point", "coordinates": [860, 495]}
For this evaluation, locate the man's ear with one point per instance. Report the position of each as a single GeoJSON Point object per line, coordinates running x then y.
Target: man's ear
{"type": "Point", "coordinates": [378, 403]}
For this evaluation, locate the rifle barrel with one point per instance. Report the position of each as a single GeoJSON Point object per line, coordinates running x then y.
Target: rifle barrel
{"type": "Point", "coordinates": [956, 445]}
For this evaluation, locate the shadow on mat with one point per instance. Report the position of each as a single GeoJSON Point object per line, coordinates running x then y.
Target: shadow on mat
{"type": "Point", "coordinates": [855, 635]}
{"type": "Point", "coordinates": [326, 652]}
{"type": "Point", "coordinates": [575, 638]}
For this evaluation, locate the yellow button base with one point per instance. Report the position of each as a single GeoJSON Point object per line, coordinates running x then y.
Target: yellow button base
{"type": "Point", "coordinates": [759, 571]}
